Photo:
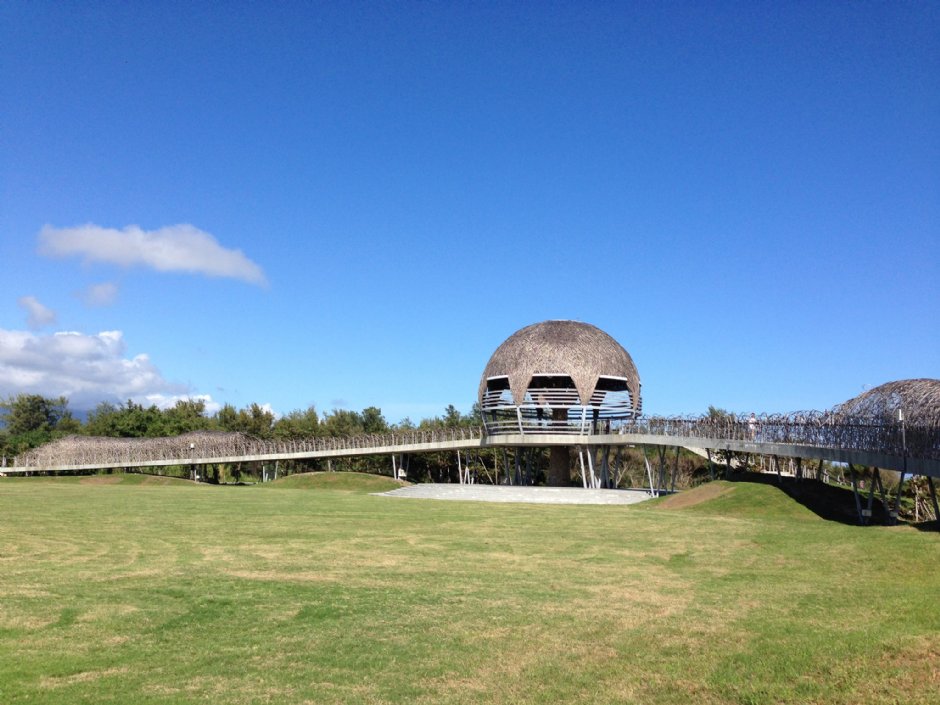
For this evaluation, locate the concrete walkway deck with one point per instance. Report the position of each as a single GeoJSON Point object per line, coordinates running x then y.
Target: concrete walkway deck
{"type": "Point", "coordinates": [524, 495]}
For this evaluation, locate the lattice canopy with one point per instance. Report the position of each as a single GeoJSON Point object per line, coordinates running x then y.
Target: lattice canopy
{"type": "Point", "coordinates": [918, 399]}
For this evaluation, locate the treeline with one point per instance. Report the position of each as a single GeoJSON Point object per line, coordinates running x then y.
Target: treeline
{"type": "Point", "coordinates": [30, 420]}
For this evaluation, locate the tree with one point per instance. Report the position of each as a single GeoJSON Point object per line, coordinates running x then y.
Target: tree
{"type": "Point", "coordinates": [28, 413]}
{"type": "Point", "coordinates": [452, 417]}
{"type": "Point", "coordinates": [373, 421]}
{"type": "Point", "coordinates": [342, 422]}
{"type": "Point", "coordinates": [29, 420]}
{"type": "Point", "coordinates": [127, 420]}
{"type": "Point", "coordinates": [255, 420]}
{"type": "Point", "coordinates": [185, 416]}
{"type": "Point", "coordinates": [226, 418]}
{"type": "Point", "coordinates": [298, 424]}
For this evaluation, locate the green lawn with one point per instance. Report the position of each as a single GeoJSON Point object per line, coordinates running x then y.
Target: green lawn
{"type": "Point", "coordinates": [117, 591]}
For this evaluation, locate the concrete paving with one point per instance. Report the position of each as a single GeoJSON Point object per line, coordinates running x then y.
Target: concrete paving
{"type": "Point", "coordinates": [525, 495]}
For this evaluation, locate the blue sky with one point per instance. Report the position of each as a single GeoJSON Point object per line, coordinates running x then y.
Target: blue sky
{"type": "Point", "coordinates": [353, 204]}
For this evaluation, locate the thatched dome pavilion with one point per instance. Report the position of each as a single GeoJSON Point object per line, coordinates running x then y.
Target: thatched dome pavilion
{"type": "Point", "coordinates": [558, 377]}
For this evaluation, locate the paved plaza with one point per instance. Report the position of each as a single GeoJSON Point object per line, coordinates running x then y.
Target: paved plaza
{"type": "Point", "coordinates": [519, 494]}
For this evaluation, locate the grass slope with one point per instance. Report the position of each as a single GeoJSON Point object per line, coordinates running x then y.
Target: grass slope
{"type": "Point", "coordinates": [737, 499]}
{"type": "Point", "coordinates": [183, 593]}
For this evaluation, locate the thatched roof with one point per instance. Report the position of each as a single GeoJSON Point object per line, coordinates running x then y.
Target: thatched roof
{"type": "Point", "coordinates": [918, 398]}
{"type": "Point", "coordinates": [579, 350]}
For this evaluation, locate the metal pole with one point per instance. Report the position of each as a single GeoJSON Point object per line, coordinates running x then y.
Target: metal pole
{"type": "Point", "coordinates": [871, 493]}
{"type": "Point", "coordinates": [662, 467]}
{"type": "Point", "coordinates": [858, 502]}
{"type": "Point", "coordinates": [897, 504]}
{"type": "Point", "coordinates": [933, 496]}
{"type": "Point", "coordinates": [675, 471]}
{"type": "Point", "coordinates": [649, 473]}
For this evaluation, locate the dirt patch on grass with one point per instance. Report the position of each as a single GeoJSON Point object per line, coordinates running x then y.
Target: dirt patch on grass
{"type": "Point", "coordinates": [280, 576]}
{"type": "Point", "coordinates": [161, 480]}
{"type": "Point", "coordinates": [107, 612]}
{"type": "Point", "coordinates": [915, 667]}
{"type": "Point", "coordinates": [83, 677]}
{"type": "Point", "coordinates": [101, 480]}
{"type": "Point", "coordinates": [699, 495]}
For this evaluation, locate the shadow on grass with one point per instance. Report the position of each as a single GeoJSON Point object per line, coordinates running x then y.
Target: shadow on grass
{"type": "Point", "coordinates": [828, 502]}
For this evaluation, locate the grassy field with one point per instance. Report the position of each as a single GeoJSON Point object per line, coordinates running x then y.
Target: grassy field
{"type": "Point", "coordinates": [133, 590]}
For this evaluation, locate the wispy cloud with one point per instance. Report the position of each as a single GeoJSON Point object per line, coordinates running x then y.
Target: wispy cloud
{"type": "Point", "coordinates": [103, 294]}
{"type": "Point", "coordinates": [175, 248]}
{"type": "Point", "coordinates": [163, 401]}
{"type": "Point", "coordinates": [37, 314]}
{"type": "Point", "coordinates": [87, 369]}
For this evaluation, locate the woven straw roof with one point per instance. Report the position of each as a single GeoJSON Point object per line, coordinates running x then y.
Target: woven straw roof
{"type": "Point", "coordinates": [918, 398]}
{"type": "Point", "coordinates": [580, 350]}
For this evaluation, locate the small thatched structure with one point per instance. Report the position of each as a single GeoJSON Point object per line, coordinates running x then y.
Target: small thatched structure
{"type": "Point", "coordinates": [918, 399]}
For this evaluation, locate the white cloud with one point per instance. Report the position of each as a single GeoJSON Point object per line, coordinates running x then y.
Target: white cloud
{"type": "Point", "coordinates": [38, 315]}
{"type": "Point", "coordinates": [87, 369]}
{"type": "Point", "coordinates": [175, 248]}
{"type": "Point", "coordinates": [103, 294]}
{"type": "Point", "coordinates": [270, 409]}
{"type": "Point", "coordinates": [163, 401]}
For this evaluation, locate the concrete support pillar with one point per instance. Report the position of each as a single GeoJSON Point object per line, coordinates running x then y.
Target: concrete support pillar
{"type": "Point", "coordinates": [559, 467]}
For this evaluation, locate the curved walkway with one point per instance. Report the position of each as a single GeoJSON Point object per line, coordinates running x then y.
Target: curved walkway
{"type": "Point", "coordinates": [519, 494]}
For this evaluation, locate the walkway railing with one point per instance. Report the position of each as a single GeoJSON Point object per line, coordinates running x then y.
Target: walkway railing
{"type": "Point", "coordinates": [812, 429]}
{"type": "Point", "coordinates": [84, 450]}
{"type": "Point", "coordinates": [817, 429]}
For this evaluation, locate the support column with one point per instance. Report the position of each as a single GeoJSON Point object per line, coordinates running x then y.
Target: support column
{"type": "Point", "coordinates": [559, 466]}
